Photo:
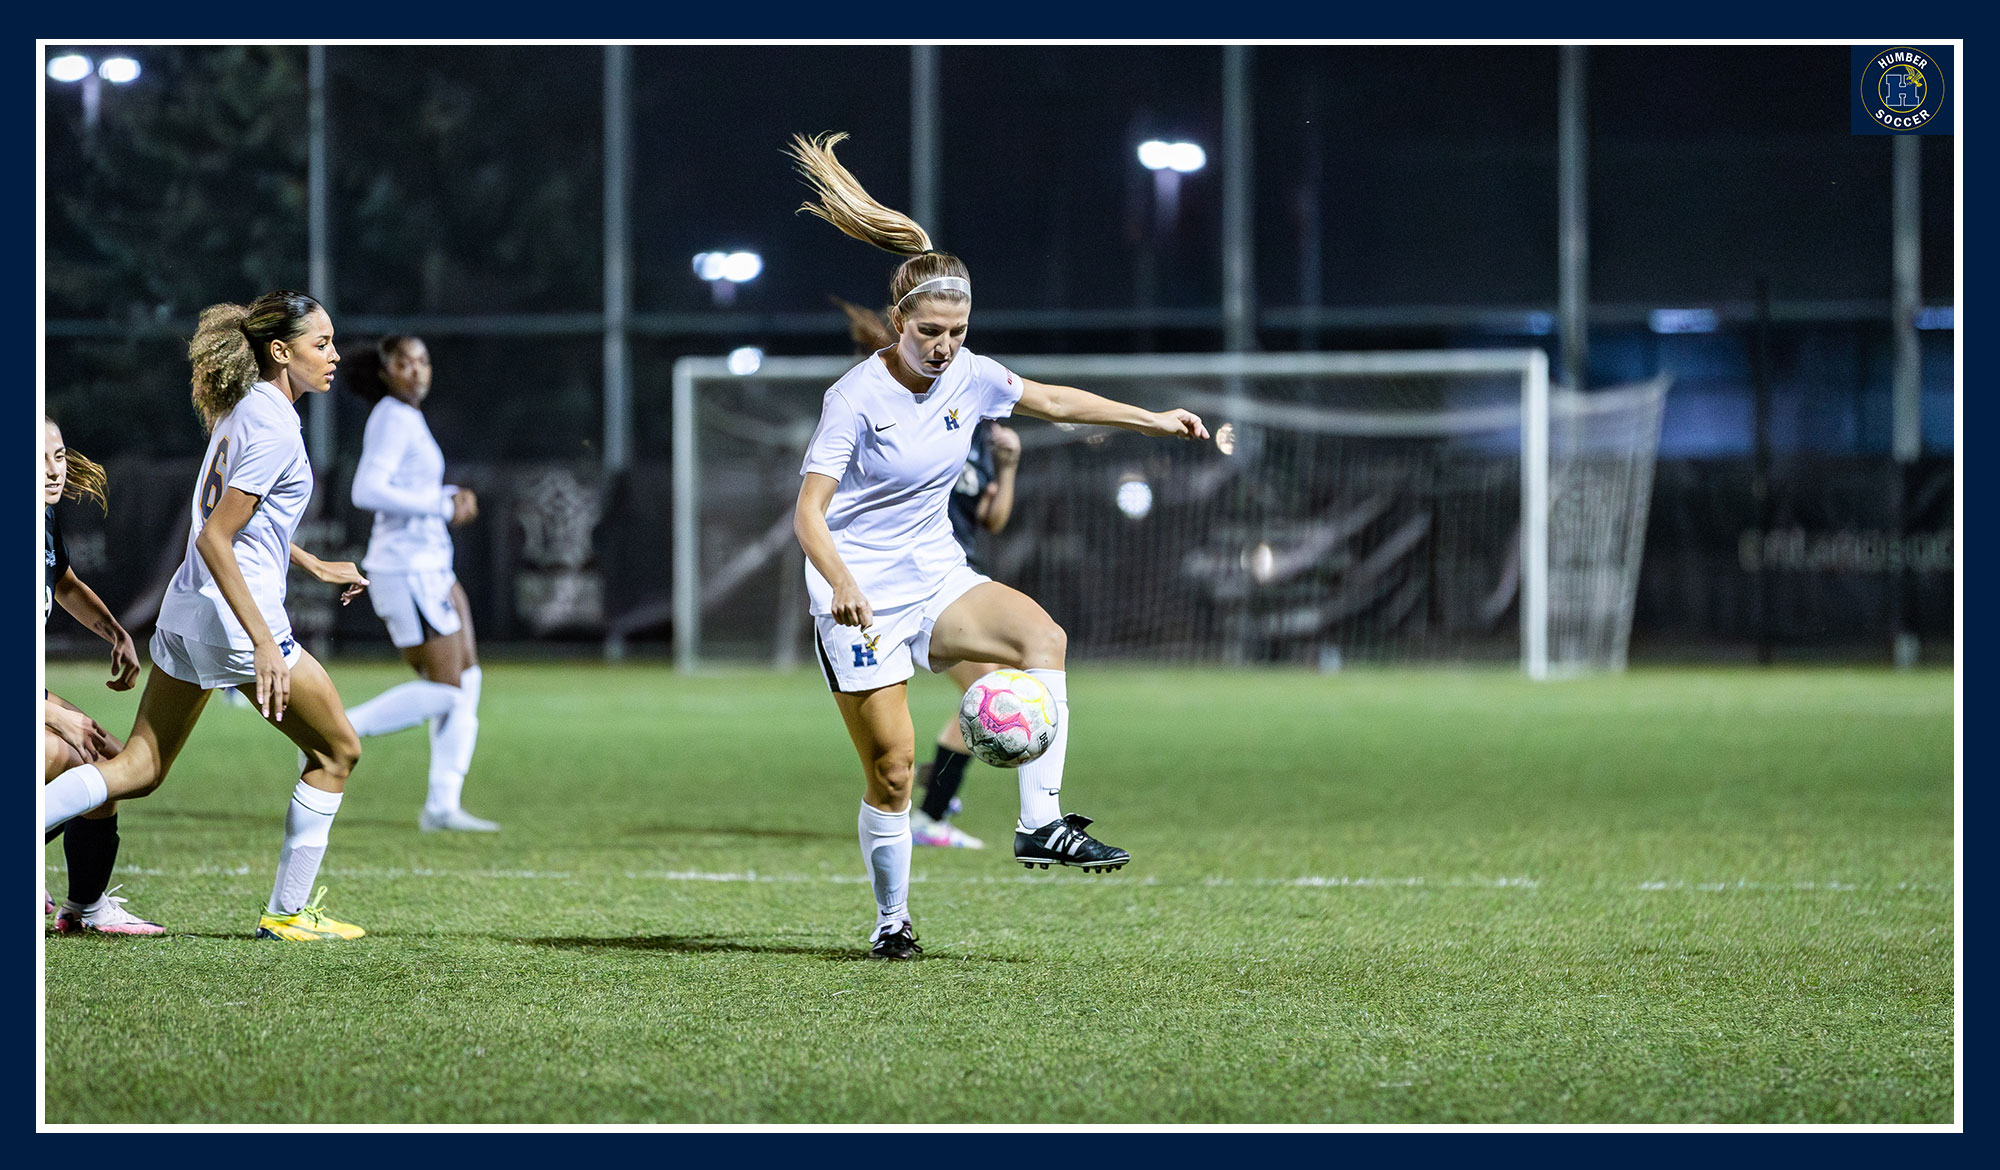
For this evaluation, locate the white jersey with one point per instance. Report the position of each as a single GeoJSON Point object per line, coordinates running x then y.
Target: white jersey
{"type": "Point", "coordinates": [897, 455]}
{"type": "Point", "coordinates": [401, 480]}
{"type": "Point", "coordinates": [256, 448]}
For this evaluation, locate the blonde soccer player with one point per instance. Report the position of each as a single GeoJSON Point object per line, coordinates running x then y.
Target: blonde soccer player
{"type": "Point", "coordinates": [223, 621]}
{"type": "Point", "coordinates": [411, 584]}
{"type": "Point", "coordinates": [982, 501]}
{"type": "Point", "coordinates": [889, 586]}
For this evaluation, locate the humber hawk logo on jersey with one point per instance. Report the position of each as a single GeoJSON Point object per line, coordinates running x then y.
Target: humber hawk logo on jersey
{"type": "Point", "coordinates": [864, 650]}
{"type": "Point", "coordinates": [951, 420]}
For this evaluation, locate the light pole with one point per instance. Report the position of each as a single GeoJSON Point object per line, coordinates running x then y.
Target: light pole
{"type": "Point", "coordinates": [77, 69]}
{"type": "Point", "coordinates": [725, 270]}
{"type": "Point", "coordinates": [1169, 161]}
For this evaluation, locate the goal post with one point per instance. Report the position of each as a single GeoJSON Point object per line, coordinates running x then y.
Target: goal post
{"type": "Point", "coordinates": [1406, 506]}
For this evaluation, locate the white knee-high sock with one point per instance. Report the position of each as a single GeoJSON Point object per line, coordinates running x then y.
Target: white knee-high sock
{"type": "Point", "coordinates": [452, 740]}
{"type": "Point", "coordinates": [467, 708]}
{"type": "Point", "coordinates": [72, 794]}
{"type": "Point", "coordinates": [885, 850]}
{"type": "Point", "coordinates": [1041, 779]}
{"type": "Point", "coordinates": [405, 705]}
{"type": "Point", "coordinates": [307, 824]}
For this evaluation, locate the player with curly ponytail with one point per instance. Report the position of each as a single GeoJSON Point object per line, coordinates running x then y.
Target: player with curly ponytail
{"type": "Point", "coordinates": [889, 585]}
{"type": "Point", "coordinates": [223, 621]}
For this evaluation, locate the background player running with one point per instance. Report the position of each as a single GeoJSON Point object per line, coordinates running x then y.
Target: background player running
{"type": "Point", "coordinates": [412, 586]}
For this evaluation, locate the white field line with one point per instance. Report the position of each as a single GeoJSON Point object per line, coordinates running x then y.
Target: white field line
{"type": "Point", "coordinates": [1342, 881]}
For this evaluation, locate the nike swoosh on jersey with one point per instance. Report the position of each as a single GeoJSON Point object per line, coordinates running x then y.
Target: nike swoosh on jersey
{"type": "Point", "coordinates": [883, 427]}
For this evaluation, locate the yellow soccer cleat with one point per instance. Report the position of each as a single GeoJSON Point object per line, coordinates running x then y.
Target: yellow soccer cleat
{"type": "Point", "coordinates": [308, 924]}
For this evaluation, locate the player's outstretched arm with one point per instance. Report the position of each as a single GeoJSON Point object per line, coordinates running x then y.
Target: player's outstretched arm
{"type": "Point", "coordinates": [1071, 405]}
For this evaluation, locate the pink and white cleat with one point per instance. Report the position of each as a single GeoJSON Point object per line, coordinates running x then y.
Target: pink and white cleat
{"type": "Point", "coordinates": [109, 916]}
{"type": "Point", "coordinates": [940, 834]}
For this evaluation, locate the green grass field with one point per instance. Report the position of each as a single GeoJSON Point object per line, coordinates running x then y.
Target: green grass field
{"type": "Point", "coordinates": [1671, 896]}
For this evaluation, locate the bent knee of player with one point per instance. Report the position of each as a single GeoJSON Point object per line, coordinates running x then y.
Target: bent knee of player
{"type": "Point", "coordinates": [342, 754]}
{"type": "Point", "coordinates": [1045, 647]}
{"type": "Point", "coordinates": [132, 773]}
{"type": "Point", "coordinates": [892, 773]}
{"type": "Point", "coordinates": [57, 756]}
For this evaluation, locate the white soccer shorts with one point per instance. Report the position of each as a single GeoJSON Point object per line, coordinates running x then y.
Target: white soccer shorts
{"type": "Point", "coordinates": [415, 606]}
{"type": "Point", "coordinates": [890, 650]}
{"type": "Point", "coordinates": [212, 667]}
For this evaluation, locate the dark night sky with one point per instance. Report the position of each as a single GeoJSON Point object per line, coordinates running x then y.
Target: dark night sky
{"type": "Point", "coordinates": [1429, 173]}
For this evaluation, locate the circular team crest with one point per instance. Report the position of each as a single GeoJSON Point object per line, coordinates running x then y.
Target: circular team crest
{"type": "Point", "coordinates": [1902, 89]}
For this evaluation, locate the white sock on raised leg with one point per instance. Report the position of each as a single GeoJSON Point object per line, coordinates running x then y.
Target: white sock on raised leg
{"type": "Point", "coordinates": [1041, 779]}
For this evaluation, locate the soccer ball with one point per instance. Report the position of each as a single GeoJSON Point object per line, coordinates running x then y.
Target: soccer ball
{"type": "Point", "coordinates": [1008, 718]}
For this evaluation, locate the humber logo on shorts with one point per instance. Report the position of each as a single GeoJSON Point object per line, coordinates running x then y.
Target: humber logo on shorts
{"type": "Point", "coordinates": [864, 650]}
{"type": "Point", "coordinates": [1900, 89]}
{"type": "Point", "coordinates": [951, 420]}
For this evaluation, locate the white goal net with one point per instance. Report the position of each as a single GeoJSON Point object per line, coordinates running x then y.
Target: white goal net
{"type": "Point", "coordinates": [1374, 508]}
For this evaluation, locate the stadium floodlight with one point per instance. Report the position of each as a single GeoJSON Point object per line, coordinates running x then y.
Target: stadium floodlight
{"type": "Point", "coordinates": [70, 67]}
{"type": "Point", "coordinates": [119, 70]}
{"type": "Point", "coordinates": [725, 270]}
{"type": "Point", "coordinates": [1180, 157]}
{"type": "Point", "coordinates": [78, 69]}
{"type": "Point", "coordinates": [1135, 497]}
{"type": "Point", "coordinates": [1169, 161]}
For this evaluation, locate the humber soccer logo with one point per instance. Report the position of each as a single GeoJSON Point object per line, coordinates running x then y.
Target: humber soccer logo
{"type": "Point", "coordinates": [1902, 89]}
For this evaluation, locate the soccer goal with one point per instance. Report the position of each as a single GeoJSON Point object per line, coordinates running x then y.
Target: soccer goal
{"type": "Point", "coordinates": [1392, 508]}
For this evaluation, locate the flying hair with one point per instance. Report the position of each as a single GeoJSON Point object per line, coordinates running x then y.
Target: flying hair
{"type": "Point", "coordinates": [846, 204]}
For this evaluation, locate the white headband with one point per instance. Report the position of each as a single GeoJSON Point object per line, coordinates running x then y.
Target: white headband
{"type": "Point", "coordinates": [940, 284]}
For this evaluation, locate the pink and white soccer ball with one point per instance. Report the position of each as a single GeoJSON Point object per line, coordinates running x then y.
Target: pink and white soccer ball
{"type": "Point", "coordinates": [1008, 718]}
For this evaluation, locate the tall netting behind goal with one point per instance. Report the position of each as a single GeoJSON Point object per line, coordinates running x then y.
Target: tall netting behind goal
{"type": "Point", "coordinates": [1390, 508]}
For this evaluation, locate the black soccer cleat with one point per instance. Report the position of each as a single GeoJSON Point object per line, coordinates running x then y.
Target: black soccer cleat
{"type": "Point", "coordinates": [900, 943]}
{"type": "Point", "coordinates": [1064, 842]}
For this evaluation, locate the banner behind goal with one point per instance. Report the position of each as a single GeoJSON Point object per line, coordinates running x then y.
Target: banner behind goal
{"type": "Point", "coordinates": [1383, 508]}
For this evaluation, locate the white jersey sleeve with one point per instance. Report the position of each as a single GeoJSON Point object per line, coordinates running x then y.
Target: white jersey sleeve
{"type": "Point", "coordinates": [831, 451]}
{"type": "Point", "coordinates": [998, 388]}
{"type": "Point", "coordinates": [383, 446]}
{"type": "Point", "coordinates": [261, 454]}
